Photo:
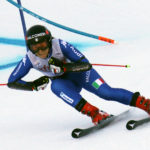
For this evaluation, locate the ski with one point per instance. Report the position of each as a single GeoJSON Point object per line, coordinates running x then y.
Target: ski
{"type": "Point", "coordinates": [78, 132]}
{"type": "Point", "coordinates": [132, 124]}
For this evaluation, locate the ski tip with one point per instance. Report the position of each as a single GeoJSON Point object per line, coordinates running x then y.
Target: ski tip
{"type": "Point", "coordinates": [76, 133]}
{"type": "Point", "coordinates": [131, 124]}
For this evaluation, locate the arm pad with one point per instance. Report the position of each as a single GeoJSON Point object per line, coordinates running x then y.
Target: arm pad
{"type": "Point", "coordinates": [29, 86]}
{"type": "Point", "coordinates": [21, 86]}
{"type": "Point", "coordinates": [70, 67]}
{"type": "Point", "coordinates": [77, 67]}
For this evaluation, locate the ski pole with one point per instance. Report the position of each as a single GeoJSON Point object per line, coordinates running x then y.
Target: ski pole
{"type": "Point", "coordinates": [3, 84]}
{"type": "Point", "coordinates": [110, 65]}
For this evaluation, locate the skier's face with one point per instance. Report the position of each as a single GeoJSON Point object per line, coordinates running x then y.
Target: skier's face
{"type": "Point", "coordinates": [40, 49]}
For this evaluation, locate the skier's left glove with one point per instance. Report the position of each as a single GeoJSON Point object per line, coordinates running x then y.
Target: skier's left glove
{"type": "Point", "coordinates": [41, 83]}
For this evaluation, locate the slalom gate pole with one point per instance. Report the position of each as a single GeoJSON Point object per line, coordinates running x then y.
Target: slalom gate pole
{"type": "Point", "coordinates": [108, 40]}
{"type": "Point", "coordinates": [22, 20]}
{"type": "Point", "coordinates": [23, 26]}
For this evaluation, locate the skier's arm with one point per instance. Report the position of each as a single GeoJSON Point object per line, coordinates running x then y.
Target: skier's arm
{"type": "Point", "coordinates": [19, 72]}
{"type": "Point", "coordinates": [15, 80]}
{"type": "Point", "coordinates": [78, 61]}
{"type": "Point", "coordinates": [58, 66]}
{"type": "Point", "coordinates": [71, 52]}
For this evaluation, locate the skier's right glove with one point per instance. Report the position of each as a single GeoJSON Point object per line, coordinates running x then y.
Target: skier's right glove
{"type": "Point", "coordinates": [40, 84]}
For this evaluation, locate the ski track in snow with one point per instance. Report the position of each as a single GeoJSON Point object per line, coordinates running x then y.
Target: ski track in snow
{"type": "Point", "coordinates": [40, 120]}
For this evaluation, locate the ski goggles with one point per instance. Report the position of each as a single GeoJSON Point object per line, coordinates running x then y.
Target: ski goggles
{"type": "Point", "coordinates": [40, 46]}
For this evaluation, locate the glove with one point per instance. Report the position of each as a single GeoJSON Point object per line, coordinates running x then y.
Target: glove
{"type": "Point", "coordinates": [56, 66]}
{"type": "Point", "coordinates": [41, 83]}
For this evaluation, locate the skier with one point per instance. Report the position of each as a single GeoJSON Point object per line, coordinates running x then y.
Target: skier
{"type": "Point", "coordinates": [69, 72]}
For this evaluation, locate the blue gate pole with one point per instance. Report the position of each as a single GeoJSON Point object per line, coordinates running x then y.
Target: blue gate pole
{"type": "Point", "coordinates": [22, 20]}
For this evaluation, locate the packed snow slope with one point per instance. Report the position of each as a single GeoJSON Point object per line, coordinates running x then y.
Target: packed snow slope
{"type": "Point", "coordinates": [42, 121]}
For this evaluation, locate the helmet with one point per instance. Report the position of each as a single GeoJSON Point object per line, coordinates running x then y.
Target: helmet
{"type": "Point", "coordinates": [37, 34]}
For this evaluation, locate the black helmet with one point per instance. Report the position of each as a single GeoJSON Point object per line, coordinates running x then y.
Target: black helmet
{"type": "Point", "coordinates": [37, 34]}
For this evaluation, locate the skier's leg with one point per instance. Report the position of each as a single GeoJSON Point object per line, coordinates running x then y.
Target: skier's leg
{"type": "Point", "coordinates": [98, 86]}
{"type": "Point", "coordinates": [69, 92]}
{"type": "Point", "coordinates": [125, 97]}
{"type": "Point", "coordinates": [115, 94]}
{"type": "Point", "coordinates": [66, 90]}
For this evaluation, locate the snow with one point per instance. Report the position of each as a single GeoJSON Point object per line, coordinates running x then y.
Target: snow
{"type": "Point", "coordinates": [42, 121]}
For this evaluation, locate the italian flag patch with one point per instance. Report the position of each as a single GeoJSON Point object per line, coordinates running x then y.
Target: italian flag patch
{"type": "Point", "coordinates": [97, 83]}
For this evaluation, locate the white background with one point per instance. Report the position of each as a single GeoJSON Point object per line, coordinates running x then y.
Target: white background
{"type": "Point", "coordinates": [42, 121]}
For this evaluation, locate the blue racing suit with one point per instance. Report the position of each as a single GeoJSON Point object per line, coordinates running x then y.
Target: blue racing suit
{"type": "Point", "coordinates": [68, 86]}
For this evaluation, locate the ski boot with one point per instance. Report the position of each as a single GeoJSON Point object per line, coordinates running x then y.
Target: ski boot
{"type": "Point", "coordinates": [92, 111]}
{"type": "Point", "coordinates": [140, 102]}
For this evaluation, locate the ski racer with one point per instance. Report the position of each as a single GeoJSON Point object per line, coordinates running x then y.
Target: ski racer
{"type": "Point", "coordinates": [69, 72]}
